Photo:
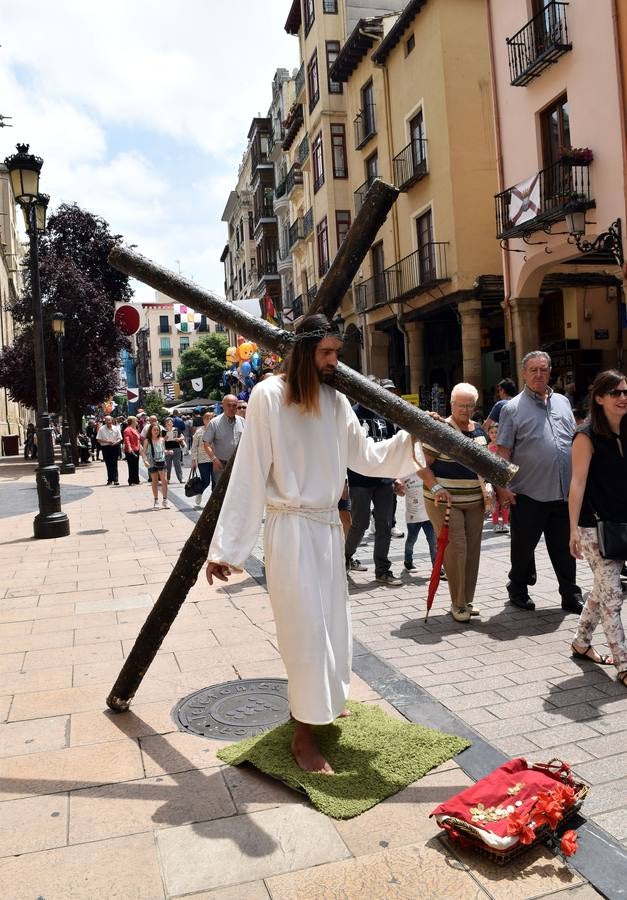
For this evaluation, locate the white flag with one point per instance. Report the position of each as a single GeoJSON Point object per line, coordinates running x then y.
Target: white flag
{"type": "Point", "coordinates": [525, 201]}
{"type": "Point", "coordinates": [197, 384]}
{"type": "Point", "coordinates": [132, 395]}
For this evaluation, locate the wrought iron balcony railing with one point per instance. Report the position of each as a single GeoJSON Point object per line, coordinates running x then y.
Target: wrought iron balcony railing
{"type": "Point", "coordinates": [362, 190]}
{"type": "Point", "coordinates": [542, 199]}
{"type": "Point", "coordinates": [279, 190]}
{"type": "Point", "coordinates": [265, 210]}
{"type": "Point", "coordinates": [296, 232]}
{"type": "Point", "coordinates": [538, 44]}
{"type": "Point", "coordinates": [303, 150]}
{"type": "Point", "coordinates": [297, 307]}
{"type": "Point", "coordinates": [294, 178]}
{"type": "Point", "coordinates": [418, 272]}
{"type": "Point", "coordinates": [268, 267]}
{"type": "Point", "coordinates": [365, 125]}
{"type": "Point", "coordinates": [410, 165]}
{"type": "Point", "coordinates": [308, 222]}
{"type": "Point", "coordinates": [312, 294]}
{"type": "Point", "coordinates": [283, 253]}
{"type": "Point", "coordinates": [165, 351]}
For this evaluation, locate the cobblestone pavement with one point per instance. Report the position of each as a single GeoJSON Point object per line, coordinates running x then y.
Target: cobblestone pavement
{"type": "Point", "coordinates": [96, 804]}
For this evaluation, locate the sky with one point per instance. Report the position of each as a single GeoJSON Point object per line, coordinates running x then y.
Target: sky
{"type": "Point", "coordinates": [140, 110]}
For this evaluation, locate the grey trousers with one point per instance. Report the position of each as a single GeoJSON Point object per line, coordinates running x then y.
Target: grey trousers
{"type": "Point", "coordinates": [175, 460]}
{"type": "Point", "coordinates": [381, 496]}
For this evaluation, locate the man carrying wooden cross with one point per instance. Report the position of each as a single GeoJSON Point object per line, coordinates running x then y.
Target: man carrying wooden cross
{"type": "Point", "coordinates": [300, 437]}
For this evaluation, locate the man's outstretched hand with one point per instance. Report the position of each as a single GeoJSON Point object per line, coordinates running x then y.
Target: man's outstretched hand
{"type": "Point", "coordinates": [220, 570]}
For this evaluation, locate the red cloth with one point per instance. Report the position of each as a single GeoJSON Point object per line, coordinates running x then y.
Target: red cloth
{"type": "Point", "coordinates": [492, 791]}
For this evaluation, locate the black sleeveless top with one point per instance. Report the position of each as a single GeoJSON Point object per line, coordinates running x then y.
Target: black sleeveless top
{"type": "Point", "coordinates": [606, 487]}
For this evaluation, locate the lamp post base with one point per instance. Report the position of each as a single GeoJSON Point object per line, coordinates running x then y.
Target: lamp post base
{"type": "Point", "coordinates": [51, 521]}
{"type": "Point", "coordinates": [67, 466]}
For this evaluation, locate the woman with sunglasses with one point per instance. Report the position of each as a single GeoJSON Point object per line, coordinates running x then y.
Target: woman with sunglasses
{"type": "Point", "coordinates": [598, 489]}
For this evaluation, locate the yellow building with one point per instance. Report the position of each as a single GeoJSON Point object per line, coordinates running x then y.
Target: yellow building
{"type": "Point", "coordinates": [13, 416]}
{"type": "Point", "coordinates": [428, 297]}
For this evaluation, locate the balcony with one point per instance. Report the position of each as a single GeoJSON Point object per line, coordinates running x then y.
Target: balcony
{"type": "Point", "coordinates": [312, 294]}
{"type": "Point", "coordinates": [268, 268]}
{"type": "Point", "coordinates": [283, 253]}
{"type": "Point", "coordinates": [410, 165]}
{"type": "Point", "coordinates": [164, 329]}
{"type": "Point", "coordinates": [362, 190]}
{"type": "Point", "coordinates": [279, 190]}
{"type": "Point", "coordinates": [421, 271]}
{"type": "Point", "coordinates": [297, 307]}
{"type": "Point", "coordinates": [365, 126]}
{"type": "Point", "coordinates": [296, 232]}
{"type": "Point", "coordinates": [293, 179]}
{"type": "Point", "coordinates": [318, 181]}
{"type": "Point", "coordinates": [303, 150]}
{"type": "Point", "coordinates": [538, 44]}
{"type": "Point", "coordinates": [544, 198]}
{"type": "Point", "coordinates": [165, 351]}
{"type": "Point", "coordinates": [299, 81]}
{"type": "Point", "coordinates": [264, 213]}
{"type": "Point", "coordinates": [308, 222]}
{"type": "Point", "coordinates": [259, 158]}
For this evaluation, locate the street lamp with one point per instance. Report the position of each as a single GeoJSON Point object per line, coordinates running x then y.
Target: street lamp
{"type": "Point", "coordinates": [610, 241]}
{"type": "Point", "coordinates": [24, 169]}
{"type": "Point", "coordinates": [67, 463]}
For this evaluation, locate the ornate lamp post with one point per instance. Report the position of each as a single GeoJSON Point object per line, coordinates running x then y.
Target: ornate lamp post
{"type": "Point", "coordinates": [24, 169]}
{"type": "Point", "coordinates": [67, 464]}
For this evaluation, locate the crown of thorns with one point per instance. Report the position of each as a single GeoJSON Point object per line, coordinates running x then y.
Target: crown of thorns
{"type": "Point", "coordinates": [318, 334]}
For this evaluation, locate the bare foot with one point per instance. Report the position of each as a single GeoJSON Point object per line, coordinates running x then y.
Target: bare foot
{"type": "Point", "coordinates": [344, 714]}
{"type": "Point", "coordinates": [305, 751]}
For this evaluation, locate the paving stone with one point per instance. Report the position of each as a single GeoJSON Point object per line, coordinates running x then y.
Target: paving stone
{"type": "Point", "coordinates": [246, 848]}
{"type": "Point", "coordinates": [21, 738]}
{"type": "Point", "coordinates": [119, 868]}
{"type": "Point", "coordinates": [178, 752]}
{"type": "Point", "coordinates": [615, 823]}
{"type": "Point", "coordinates": [599, 770]}
{"type": "Point", "coordinates": [505, 727]}
{"type": "Point", "coordinates": [37, 680]}
{"type": "Point", "coordinates": [252, 890]}
{"type": "Point", "coordinates": [610, 724]}
{"type": "Point", "coordinates": [36, 823]}
{"type": "Point", "coordinates": [469, 701]}
{"type": "Point", "coordinates": [11, 662]}
{"type": "Point", "coordinates": [539, 674]}
{"type": "Point", "coordinates": [139, 600]}
{"type": "Point", "coordinates": [577, 713]}
{"type": "Point", "coordinates": [405, 872]}
{"type": "Point", "coordinates": [577, 695]}
{"type": "Point", "coordinates": [474, 686]}
{"type": "Point", "coordinates": [68, 656]}
{"type": "Point", "coordinates": [56, 703]}
{"type": "Point", "coordinates": [603, 746]}
{"type": "Point", "coordinates": [253, 791]}
{"type": "Point", "coordinates": [512, 708]}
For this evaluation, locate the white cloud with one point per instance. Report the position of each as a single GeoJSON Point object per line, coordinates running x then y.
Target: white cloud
{"type": "Point", "coordinates": [141, 110]}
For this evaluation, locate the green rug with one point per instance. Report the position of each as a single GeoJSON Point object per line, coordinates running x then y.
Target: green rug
{"type": "Point", "coordinates": [372, 754]}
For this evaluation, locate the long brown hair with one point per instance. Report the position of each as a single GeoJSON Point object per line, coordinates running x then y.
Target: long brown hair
{"type": "Point", "coordinates": [603, 384]}
{"type": "Point", "coordinates": [302, 378]}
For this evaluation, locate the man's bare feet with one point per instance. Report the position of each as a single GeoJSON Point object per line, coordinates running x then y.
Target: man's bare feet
{"type": "Point", "coordinates": [344, 714]}
{"type": "Point", "coordinates": [305, 750]}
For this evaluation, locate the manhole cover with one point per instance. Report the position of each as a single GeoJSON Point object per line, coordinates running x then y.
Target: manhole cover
{"type": "Point", "coordinates": [235, 709]}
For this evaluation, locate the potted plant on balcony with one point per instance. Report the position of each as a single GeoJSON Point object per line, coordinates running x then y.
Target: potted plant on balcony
{"type": "Point", "coordinates": [576, 156]}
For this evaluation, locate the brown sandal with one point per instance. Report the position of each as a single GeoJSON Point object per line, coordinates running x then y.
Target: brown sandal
{"type": "Point", "coordinates": [601, 661]}
{"type": "Point", "coordinates": [622, 677]}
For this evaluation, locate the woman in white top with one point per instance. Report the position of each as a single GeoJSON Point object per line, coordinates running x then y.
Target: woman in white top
{"type": "Point", "coordinates": [153, 454]}
{"type": "Point", "coordinates": [200, 458]}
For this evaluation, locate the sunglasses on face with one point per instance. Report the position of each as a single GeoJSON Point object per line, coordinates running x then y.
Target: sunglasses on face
{"type": "Point", "coordinates": [241, 407]}
{"type": "Point", "coordinates": [617, 392]}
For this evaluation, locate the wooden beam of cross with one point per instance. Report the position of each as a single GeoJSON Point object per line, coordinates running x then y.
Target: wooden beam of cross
{"type": "Point", "coordinates": [376, 205]}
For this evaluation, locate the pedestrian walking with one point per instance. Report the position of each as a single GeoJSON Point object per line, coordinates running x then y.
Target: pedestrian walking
{"type": "Point", "coordinates": [222, 435]}
{"type": "Point", "coordinates": [536, 431]}
{"type": "Point", "coordinates": [300, 437]}
{"type": "Point", "coordinates": [200, 457]}
{"type": "Point", "coordinates": [447, 481]}
{"type": "Point", "coordinates": [109, 439]}
{"type": "Point", "coordinates": [505, 389]}
{"type": "Point", "coordinates": [174, 443]}
{"type": "Point", "coordinates": [500, 514]}
{"type": "Point", "coordinates": [91, 431]}
{"type": "Point", "coordinates": [132, 444]}
{"type": "Point", "coordinates": [598, 491]}
{"type": "Point", "coordinates": [153, 454]}
{"type": "Point", "coordinates": [416, 518]}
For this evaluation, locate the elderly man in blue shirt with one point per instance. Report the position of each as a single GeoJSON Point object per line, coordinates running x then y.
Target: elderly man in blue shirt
{"type": "Point", "coordinates": [536, 430]}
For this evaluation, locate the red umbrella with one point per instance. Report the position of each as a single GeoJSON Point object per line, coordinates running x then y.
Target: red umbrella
{"type": "Point", "coordinates": [434, 581]}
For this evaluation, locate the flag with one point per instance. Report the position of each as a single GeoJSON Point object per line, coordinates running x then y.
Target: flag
{"type": "Point", "coordinates": [197, 384]}
{"type": "Point", "coordinates": [169, 392]}
{"type": "Point", "coordinates": [132, 394]}
{"type": "Point", "coordinates": [269, 310]}
{"type": "Point", "coordinates": [177, 390]}
{"type": "Point", "coordinates": [525, 201]}
{"type": "Point", "coordinates": [185, 319]}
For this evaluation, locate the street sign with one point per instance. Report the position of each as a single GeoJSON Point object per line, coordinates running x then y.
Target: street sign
{"type": "Point", "coordinates": [127, 319]}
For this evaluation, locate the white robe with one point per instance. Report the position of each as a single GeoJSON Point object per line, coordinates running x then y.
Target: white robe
{"type": "Point", "coordinates": [297, 463]}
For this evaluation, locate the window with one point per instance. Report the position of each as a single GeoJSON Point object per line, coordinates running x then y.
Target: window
{"type": "Point", "coordinates": [219, 328]}
{"type": "Point", "coordinates": [555, 125]}
{"type": "Point", "coordinates": [367, 105]}
{"type": "Point", "coordinates": [244, 273]}
{"type": "Point", "coordinates": [164, 325]}
{"type": "Point", "coordinates": [318, 162]}
{"type": "Point", "coordinates": [164, 345]}
{"type": "Point", "coordinates": [424, 241]}
{"type": "Point", "coordinates": [342, 224]}
{"type": "Point", "coordinates": [329, 6]}
{"type": "Point", "coordinates": [184, 343]}
{"type": "Point", "coordinates": [313, 83]}
{"type": "Point", "coordinates": [322, 234]}
{"type": "Point", "coordinates": [338, 150]}
{"type": "Point", "coordinates": [417, 139]}
{"type": "Point", "coordinates": [166, 366]}
{"type": "Point", "coordinates": [378, 267]}
{"type": "Point", "coordinates": [333, 49]}
{"type": "Point", "coordinates": [310, 15]}
{"type": "Point", "coordinates": [372, 168]}
{"type": "Point", "coordinates": [203, 323]}
{"type": "Point", "coordinates": [410, 43]}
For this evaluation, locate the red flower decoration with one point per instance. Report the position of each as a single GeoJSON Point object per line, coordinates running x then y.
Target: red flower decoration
{"type": "Point", "coordinates": [518, 824]}
{"type": "Point", "coordinates": [566, 795]}
{"type": "Point", "coordinates": [548, 810]}
{"type": "Point", "coordinates": [568, 844]}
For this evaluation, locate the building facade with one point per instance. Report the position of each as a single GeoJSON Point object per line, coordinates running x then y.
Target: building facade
{"type": "Point", "coordinates": [559, 83]}
{"type": "Point", "coordinates": [13, 416]}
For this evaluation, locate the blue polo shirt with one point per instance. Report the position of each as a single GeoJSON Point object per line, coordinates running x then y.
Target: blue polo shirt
{"type": "Point", "coordinates": [539, 435]}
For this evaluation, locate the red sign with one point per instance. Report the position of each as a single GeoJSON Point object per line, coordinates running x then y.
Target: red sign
{"type": "Point", "coordinates": [127, 319]}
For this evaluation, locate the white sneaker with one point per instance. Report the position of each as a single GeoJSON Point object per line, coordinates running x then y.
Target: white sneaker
{"type": "Point", "coordinates": [165, 504]}
{"type": "Point", "coordinates": [155, 505]}
{"type": "Point", "coordinates": [198, 502]}
{"type": "Point", "coordinates": [395, 533]}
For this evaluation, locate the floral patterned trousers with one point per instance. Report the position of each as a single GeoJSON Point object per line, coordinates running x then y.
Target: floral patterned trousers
{"type": "Point", "coordinates": [604, 601]}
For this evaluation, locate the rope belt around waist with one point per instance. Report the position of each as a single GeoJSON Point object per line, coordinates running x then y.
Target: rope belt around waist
{"type": "Point", "coordinates": [313, 513]}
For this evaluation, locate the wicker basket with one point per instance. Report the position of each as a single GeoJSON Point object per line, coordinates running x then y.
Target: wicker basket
{"type": "Point", "coordinates": [472, 835]}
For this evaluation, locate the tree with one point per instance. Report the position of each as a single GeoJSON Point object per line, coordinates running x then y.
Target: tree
{"type": "Point", "coordinates": [153, 404]}
{"type": "Point", "coordinates": [76, 280]}
{"type": "Point", "coordinates": [206, 360]}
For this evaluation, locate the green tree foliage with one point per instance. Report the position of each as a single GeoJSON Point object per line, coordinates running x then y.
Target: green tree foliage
{"type": "Point", "coordinates": [206, 360]}
{"type": "Point", "coordinates": [76, 280]}
{"type": "Point", "coordinates": [153, 404]}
